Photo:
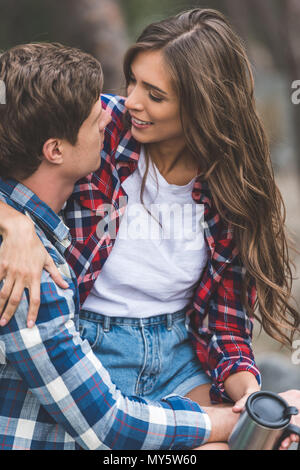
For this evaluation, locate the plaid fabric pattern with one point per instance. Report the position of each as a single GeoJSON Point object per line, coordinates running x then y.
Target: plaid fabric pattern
{"type": "Point", "coordinates": [54, 393]}
{"type": "Point", "coordinates": [224, 344]}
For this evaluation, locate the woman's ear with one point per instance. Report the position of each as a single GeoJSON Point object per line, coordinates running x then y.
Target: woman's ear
{"type": "Point", "coordinates": [52, 151]}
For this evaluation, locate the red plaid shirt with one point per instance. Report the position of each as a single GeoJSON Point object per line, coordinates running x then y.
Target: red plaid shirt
{"type": "Point", "coordinates": [221, 329]}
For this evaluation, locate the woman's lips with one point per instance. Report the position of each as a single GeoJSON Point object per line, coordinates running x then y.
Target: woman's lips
{"type": "Point", "coordinates": [139, 124]}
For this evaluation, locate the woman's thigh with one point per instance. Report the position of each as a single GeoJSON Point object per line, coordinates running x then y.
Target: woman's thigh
{"type": "Point", "coordinates": [150, 361]}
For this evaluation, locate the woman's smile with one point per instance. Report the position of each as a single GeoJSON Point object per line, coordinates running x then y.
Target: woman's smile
{"type": "Point", "coordinates": [140, 124]}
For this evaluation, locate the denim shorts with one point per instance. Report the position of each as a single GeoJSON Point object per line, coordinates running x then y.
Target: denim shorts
{"type": "Point", "coordinates": [146, 357]}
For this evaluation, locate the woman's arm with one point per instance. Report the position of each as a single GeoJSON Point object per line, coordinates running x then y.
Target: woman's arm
{"type": "Point", "coordinates": [224, 347]}
{"type": "Point", "coordinates": [239, 387]}
{"type": "Point", "coordinates": [231, 350]}
{"type": "Point", "coordinates": [22, 259]}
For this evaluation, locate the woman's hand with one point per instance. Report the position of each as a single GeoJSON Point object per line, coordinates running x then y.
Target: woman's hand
{"type": "Point", "coordinates": [22, 260]}
{"type": "Point", "coordinates": [240, 404]}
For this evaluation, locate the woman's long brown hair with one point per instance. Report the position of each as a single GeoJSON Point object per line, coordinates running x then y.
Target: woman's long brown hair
{"type": "Point", "coordinates": [214, 82]}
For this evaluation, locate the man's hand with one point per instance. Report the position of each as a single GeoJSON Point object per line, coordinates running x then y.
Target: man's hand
{"type": "Point", "coordinates": [293, 399]}
{"type": "Point", "coordinates": [22, 260]}
{"type": "Point", "coordinates": [222, 421]}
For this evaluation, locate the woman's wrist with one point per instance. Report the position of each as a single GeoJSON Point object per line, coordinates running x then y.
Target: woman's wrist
{"type": "Point", "coordinates": [12, 221]}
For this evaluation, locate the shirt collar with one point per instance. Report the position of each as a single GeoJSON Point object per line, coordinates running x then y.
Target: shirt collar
{"type": "Point", "coordinates": [128, 149]}
{"type": "Point", "coordinates": [30, 203]}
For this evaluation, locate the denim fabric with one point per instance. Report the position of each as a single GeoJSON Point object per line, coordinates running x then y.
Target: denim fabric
{"type": "Point", "coordinates": [146, 357]}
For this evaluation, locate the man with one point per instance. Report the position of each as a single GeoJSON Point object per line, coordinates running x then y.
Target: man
{"type": "Point", "coordinates": [54, 393]}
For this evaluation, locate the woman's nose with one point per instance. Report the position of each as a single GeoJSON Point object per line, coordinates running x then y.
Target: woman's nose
{"type": "Point", "coordinates": [133, 100]}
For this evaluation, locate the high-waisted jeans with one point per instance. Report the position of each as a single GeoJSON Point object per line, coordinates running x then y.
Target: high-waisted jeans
{"type": "Point", "coordinates": [146, 357]}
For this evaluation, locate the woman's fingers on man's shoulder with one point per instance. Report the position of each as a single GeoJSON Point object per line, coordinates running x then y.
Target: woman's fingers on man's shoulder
{"type": "Point", "coordinates": [54, 273]}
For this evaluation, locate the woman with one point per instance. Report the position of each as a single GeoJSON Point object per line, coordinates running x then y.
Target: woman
{"type": "Point", "coordinates": [187, 134]}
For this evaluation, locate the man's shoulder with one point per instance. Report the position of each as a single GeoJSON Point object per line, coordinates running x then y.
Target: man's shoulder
{"type": "Point", "coordinates": [47, 238]}
{"type": "Point", "coordinates": [7, 200]}
{"type": "Point", "coordinates": [54, 300]}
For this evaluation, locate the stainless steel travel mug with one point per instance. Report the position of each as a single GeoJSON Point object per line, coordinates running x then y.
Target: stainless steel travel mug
{"type": "Point", "coordinates": [264, 423]}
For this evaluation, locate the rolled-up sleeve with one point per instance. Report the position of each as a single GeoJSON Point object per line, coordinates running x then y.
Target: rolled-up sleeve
{"type": "Point", "coordinates": [224, 343]}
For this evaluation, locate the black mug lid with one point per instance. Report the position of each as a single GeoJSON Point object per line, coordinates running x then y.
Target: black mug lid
{"type": "Point", "coordinates": [269, 410]}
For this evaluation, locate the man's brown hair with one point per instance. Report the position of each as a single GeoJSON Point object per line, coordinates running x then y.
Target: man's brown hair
{"type": "Point", "coordinates": [50, 91]}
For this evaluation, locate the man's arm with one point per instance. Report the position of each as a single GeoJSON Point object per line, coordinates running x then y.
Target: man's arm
{"type": "Point", "coordinates": [70, 382]}
{"type": "Point", "coordinates": [223, 420]}
{"type": "Point", "coordinates": [22, 259]}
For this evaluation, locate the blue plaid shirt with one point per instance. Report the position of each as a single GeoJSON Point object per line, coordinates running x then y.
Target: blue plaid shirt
{"type": "Point", "coordinates": [54, 393]}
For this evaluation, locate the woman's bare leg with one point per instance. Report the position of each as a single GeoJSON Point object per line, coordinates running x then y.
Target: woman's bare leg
{"type": "Point", "coordinates": [200, 395]}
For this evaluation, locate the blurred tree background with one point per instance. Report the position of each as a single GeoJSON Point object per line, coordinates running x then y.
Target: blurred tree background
{"type": "Point", "coordinates": [270, 29]}
{"type": "Point", "coordinates": [105, 28]}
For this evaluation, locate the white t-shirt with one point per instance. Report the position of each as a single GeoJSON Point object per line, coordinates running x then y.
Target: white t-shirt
{"type": "Point", "coordinates": [152, 270]}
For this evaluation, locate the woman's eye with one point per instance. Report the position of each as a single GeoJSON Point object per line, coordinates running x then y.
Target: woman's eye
{"type": "Point", "coordinates": [155, 98]}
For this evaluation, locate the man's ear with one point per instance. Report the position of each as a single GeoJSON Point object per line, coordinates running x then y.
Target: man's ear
{"type": "Point", "coordinates": [53, 151]}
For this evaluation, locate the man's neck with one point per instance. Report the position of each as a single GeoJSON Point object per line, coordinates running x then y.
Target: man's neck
{"type": "Point", "coordinates": [50, 188]}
